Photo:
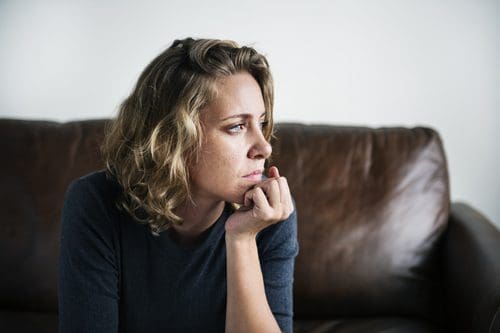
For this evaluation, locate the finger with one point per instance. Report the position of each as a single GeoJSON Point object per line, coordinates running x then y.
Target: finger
{"type": "Point", "coordinates": [274, 194]}
{"type": "Point", "coordinates": [247, 200]}
{"type": "Point", "coordinates": [277, 172]}
{"type": "Point", "coordinates": [265, 182]}
{"type": "Point", "coordinates": [286, 196]}
{"type": "Point", "coordinates": [273, 172]}
{"type": "Point", "coordinates": [283, 190]}
{"type": "Point", "coordinates": [271, 190]}
{"type": "Point", "coordinates": [261, 204]}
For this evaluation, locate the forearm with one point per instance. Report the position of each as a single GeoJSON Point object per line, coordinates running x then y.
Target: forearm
{"type": "Point", "coordinates": [247, 307]}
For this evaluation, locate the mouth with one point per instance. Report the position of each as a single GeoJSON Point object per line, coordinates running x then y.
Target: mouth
{"type": "Point", "coordinates": [255, 175]}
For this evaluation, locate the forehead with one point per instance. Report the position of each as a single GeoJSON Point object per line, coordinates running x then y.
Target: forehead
{"type": "Point", "coordinates": [236, 94]}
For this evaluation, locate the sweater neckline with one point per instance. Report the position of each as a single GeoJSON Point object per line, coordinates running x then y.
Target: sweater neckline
{"type": "Point", "coordinates": [177, 251]}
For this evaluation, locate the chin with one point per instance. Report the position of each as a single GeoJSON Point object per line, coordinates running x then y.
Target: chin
{"type": "Point", "coordinates": [239, 202]}
{"type": "Point", "coordinates": [238, 197]}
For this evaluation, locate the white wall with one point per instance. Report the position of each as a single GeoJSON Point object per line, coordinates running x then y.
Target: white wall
{"type": "Point", "coordinates": [376, 63]}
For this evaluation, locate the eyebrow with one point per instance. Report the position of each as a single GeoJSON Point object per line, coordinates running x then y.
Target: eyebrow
{"type": "Point", "coordinates": [242, 115]}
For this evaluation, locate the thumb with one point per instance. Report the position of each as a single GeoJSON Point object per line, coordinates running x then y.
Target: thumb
{"type": "Point", "coordinates": [248, 199]}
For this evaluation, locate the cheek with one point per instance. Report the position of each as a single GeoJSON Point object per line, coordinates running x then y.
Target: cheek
{"type": "Point", "coordinates": [226, 166]}
{"type": "Point", "coordinates": [223, 158]}
{"type": "Point", "coordinates": [226, 157]}
{"type": "Point", "coordinates": [218, 164]}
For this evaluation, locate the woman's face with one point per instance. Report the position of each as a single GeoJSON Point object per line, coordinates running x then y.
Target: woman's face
{"type": "Point", "coordinates": [234, 149]}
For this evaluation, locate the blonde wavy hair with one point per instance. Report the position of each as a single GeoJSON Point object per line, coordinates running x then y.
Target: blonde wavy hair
{"type": "Point", "coordinates": [157, 133]}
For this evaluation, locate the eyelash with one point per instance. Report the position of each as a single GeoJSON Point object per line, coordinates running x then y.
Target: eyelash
{"type": "Point", "coordinates": [235, 129]}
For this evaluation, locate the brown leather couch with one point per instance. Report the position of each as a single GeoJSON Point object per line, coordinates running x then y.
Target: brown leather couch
{"type": "Point", "coordinates": [381, 247]}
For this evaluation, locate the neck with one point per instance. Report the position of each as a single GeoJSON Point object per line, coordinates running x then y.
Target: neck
{"type": "Point", "coordinates": [197, 219]}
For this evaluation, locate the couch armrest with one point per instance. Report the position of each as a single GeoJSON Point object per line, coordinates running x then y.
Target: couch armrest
{"type": "Point", "coordinates": [471, 271]}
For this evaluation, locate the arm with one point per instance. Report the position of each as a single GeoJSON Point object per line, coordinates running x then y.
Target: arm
{"type": "Point", "coordinates": [88, 278]}
{"type": "Point", "coordinates": [278, 248]}
{"type": "Point", "coordinates": [247, 307]}
{"type": "Point", "coordinates": [472, 271]}
{"type": "Point", "coordinates": [258, 298]}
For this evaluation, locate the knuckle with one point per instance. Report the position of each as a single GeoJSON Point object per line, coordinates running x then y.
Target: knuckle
{"type": "Point", "coordinates": [268, 216]}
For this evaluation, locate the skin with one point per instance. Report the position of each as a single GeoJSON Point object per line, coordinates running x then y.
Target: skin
{"type": "Point", "coordinates": [234, 146]}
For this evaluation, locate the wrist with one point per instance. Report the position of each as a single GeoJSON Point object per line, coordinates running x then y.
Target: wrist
{"type": "Point", "coordinates": [241, 237]}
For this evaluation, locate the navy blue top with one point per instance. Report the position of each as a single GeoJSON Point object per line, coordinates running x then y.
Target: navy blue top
{"type": "Point", "coordinates": [116, 276]}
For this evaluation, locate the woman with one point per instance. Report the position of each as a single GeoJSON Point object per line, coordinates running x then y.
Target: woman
{"type": "Point", "coordinates": [182, 232]}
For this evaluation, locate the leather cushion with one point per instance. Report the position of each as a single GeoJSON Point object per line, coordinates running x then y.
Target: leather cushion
{"type": "Point", "coordinates": [372, 206]}
{"type": "Point", "coordinates": [372, 325]}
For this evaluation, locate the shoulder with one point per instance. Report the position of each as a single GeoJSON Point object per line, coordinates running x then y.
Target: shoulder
{"type": "Point", "coordinates": [89, 244]}
{"type": "Point", "coordinates": [90, 202]}
{"type": "Point", "coordinates": [91, 189]}
{"type": "Point", "coordinates": [97, 182]}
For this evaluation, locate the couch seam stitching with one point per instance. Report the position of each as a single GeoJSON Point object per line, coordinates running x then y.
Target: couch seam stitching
{"type": "Point", "coordinates": [494, 319]}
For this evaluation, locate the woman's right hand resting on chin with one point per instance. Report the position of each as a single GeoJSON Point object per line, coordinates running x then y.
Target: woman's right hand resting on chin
{"type": "Point", "coordinates": [265, 204]}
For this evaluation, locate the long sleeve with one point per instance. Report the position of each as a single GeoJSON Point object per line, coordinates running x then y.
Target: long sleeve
{"type": "Point", "coordinates": [278, 249]}
{"type": "Point", "coordinates": [88, 288]}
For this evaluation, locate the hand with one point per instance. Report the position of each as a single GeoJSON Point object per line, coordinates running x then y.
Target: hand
{"type": "Point", "coordinates": [266, 203]}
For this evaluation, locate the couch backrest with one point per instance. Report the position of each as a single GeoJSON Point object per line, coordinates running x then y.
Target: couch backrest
{"type": "Point", "coordinates": [372, 204]}
{"type": "Point", "coordinates": [39, 161]}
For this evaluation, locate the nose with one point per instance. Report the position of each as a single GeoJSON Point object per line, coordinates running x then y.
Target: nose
{"type": "Point", "coordinates": [260, 148]}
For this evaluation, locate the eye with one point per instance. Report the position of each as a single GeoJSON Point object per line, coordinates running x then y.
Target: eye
{"type": "Point", "coordinates": [263, 124]}
{"type": "Point", "coordinates": [236, 128]}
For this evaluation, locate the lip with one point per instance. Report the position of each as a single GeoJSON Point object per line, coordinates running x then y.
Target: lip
{"type": "Point", "coordinates": [254, 175]}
